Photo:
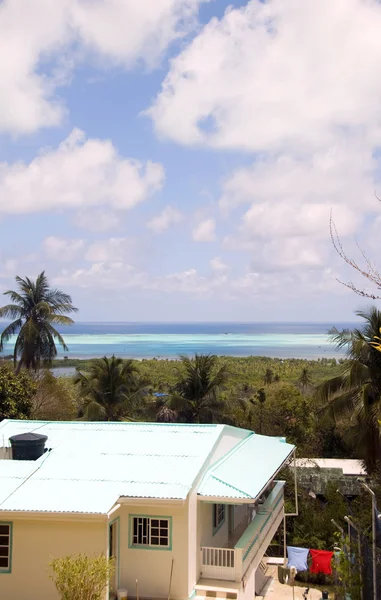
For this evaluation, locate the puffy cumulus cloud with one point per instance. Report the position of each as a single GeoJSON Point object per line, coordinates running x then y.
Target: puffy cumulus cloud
{"type": "Point", "coordinates": [26, 95]}
{"type": "Point", "coordinates": [218, 265]}
{"type": "Point", "coordinates": [205, 231]}
{"type": "Point", "coordinates": [122, 32]}
{"type": "Point", "coordinates": [62, 249]}
{"type": "Point", "coordinates": [79, 173]}
{"type": "Point", "coordinates": [169, 216]}
{"type": "Point", "coordinates": [274, 75]}
{"type": "Point", "coordinates": [290, 200]}
{"type": "Point", "coordinates": [126, 31]}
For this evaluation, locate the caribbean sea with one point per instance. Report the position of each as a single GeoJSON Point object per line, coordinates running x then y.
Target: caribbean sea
{"type": "Point", "coordinates": [169, 340]}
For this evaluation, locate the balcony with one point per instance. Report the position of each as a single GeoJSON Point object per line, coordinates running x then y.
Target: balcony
{"type": "Point", "coordinates": [232, 564]}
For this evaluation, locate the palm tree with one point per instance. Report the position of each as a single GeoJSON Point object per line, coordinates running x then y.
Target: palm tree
{"type": "Point", "coordinates": [111, 389]}
{"type": "Point", "coordinates": [356, 393]}
{"type": "Point", "coordinates": [196, 394]}
{"type": "Point", "coordinates": [304, 379]}
{"type": "Point", "coordinates": [268, 377]}
{"type": "Point", "coordinates": [35, 310]}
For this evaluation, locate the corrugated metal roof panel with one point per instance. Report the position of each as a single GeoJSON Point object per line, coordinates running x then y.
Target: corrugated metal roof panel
{"type": "Point", "coordinates": [91, 465]}
{"type": "Point", "coordinates": [247, 469]}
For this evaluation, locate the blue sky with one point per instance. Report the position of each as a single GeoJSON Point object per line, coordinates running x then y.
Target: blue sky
{"type": "Point", "coordinates": [179, 159]}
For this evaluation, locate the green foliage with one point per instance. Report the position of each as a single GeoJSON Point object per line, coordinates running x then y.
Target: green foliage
{"type": "Point", "coordinates": [355, 393]}
{"type": "Point", "coordinates": [16, 393]}
{"type": "Point", "coordinates": [111, 390]}
{"type": "Point", "coordinates": [80, 577]}
{"type": "Point", "coordinates": [35, 311]}
{"type": "Point", "coordinates": [56, 398]}
{"type": "Point", "coordinates": [348, 569]}
{"type": "Point", "coordinates": [196, 393]}
{"type": "Point", "coordinates": [313, 527]}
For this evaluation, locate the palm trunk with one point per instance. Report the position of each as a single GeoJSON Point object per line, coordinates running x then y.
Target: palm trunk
{"type": "Point", "coordinates": [18, 368]}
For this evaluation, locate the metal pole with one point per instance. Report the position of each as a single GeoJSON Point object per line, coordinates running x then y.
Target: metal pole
{"type": "Point", "coordinates": [350, 523]}
{"type": "Point", "coordinates": [284, 540]}
{"type": "Point", "coordinates": [296, 486]}
{"type": "Point", "coordinates": [338, 526]}
{"type": "Point", "coordinates": [374, 548]}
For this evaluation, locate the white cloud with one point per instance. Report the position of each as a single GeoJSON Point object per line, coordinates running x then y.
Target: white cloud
{"type": "Point", "coordinates": [274, 75]}
{"type": "Point", "coordinates": [169, 216]}
{"type": "Point", "coordinates": [61, 249]}
{"type": "Point", "coordinates": [205, 231]}
{"type": "Point", "coordinates": [290, 200]}
{"type": "Point", "coordinates": [79, 173]}
{"type": "Point", "coordinates": [126, 31]}
{"type": "Point", "coordinates": [218, 265]}
{"type": "Point", "coordinates": [97, 219]}
{"type": "Point", "coordinates": [123, 32]}
{"type": "Point", "coordinates": [114, 250]}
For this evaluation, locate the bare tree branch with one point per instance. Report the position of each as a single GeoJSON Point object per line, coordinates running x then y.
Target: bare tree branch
{"type": "Point", "coordinates": [370, 272]}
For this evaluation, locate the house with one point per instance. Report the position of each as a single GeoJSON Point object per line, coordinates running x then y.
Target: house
{"type": "Point", "coordinates": [316, 474]}
{"type": "Point", "coordinates": [187, 510]}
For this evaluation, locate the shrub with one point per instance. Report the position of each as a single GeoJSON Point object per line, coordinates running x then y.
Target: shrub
{"type": "Point", "coordinates": [16, 393]}
{"type": "Point", "coordinates": [81, 577]}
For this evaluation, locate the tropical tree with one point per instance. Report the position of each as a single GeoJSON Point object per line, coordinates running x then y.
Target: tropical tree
{"type": "Point", "coordinates": [356, 392]}
{"type": "Point", "coordinates": [304, 379]}
{"type": "Point", "coordinates": [16, 394]}
{"type": "Point", "coordinates": [268, 377]}
{"type": "Point", "coordinates": [111, 390]}
{"type": "Point", "coordinates": [196, 398]}
{"type": "Point", "coordinates": [261, 396]}
{"type": "Point", "coordinates": [35, 311]}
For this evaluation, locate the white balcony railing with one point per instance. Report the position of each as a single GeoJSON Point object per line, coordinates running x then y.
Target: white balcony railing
{"type": "Point", "coordinates": [232, 564]}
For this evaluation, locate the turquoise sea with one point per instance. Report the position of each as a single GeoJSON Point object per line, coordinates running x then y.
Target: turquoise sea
{"type": "Point", "coordinates": [169, 340]}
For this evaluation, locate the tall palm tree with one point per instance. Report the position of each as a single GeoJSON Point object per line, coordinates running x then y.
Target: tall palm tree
{"type": "Point", "coordinates": [304, 379]}
{"type": "Point", "coordinates": [35, 310]}
{"type": "Point", "coordinates": [268, 377]}
{"type": "Point", "coordinates": [111, 390]}
{"type": "Point", "coordinates": [356, 393]}
{"type": "Point", "coordinates": [196, 394]}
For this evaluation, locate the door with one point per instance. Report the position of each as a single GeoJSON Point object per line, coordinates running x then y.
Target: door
{"type": "Point", "coordinates": [113, 538]}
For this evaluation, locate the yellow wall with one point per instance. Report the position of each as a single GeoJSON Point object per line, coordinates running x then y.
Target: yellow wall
{"type": "Point", "coordinates": [152, 567]}
{"type": "Point", "coordinates": [35, 543]}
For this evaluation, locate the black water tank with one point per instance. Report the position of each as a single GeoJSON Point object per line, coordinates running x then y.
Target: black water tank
{"type": "Point", "coordinates": [28, 446]}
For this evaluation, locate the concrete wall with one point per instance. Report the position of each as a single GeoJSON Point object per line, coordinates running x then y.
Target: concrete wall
{"type": "Point", "coordinates": [152, 566]}
{"type": "Point", "coordinates": [35, 543]}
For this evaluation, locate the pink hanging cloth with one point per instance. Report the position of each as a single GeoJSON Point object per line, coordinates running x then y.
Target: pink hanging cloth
{"type": "Point", "coordinates": [321, 561]}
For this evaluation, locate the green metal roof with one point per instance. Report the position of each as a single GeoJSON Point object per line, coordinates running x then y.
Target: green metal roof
{"type": "Point", "coordinates": [245, 471]}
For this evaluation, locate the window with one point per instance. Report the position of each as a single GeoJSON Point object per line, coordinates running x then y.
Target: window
{"type": "Point", "coordinates": [218, 515]}
{"type": "Point", "coordinates": [154, 532]}
{"type": "Point", "coordinates": [5, 547]}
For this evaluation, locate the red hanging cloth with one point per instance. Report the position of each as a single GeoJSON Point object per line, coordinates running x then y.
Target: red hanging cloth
{"type": "Point", "coordinates": [321, 561]}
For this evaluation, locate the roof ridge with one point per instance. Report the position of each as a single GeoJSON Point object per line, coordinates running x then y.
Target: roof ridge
{"type": "Point", "coordinates": [230, 453]}
{"type": "Point", "coordinates": [229, 485]}
{"type": "Point", "coordinates": [210, 472]}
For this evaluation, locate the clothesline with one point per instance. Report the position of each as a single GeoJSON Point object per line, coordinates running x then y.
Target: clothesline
{"type": "Point", "coordinates": [321, 560]}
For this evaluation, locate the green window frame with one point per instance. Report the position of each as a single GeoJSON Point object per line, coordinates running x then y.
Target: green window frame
{"type": "Point", "coordinates": [150, 532]}
{"type": "Point", "coordinates": [6, 539]}
{"type": "Point", "coordinates": [219, 514]}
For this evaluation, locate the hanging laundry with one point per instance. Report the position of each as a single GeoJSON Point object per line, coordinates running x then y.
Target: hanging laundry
{"type": "Point", "coordinates": [297, 557]}
{"type": "Point", "coordinates": [321, 561]}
